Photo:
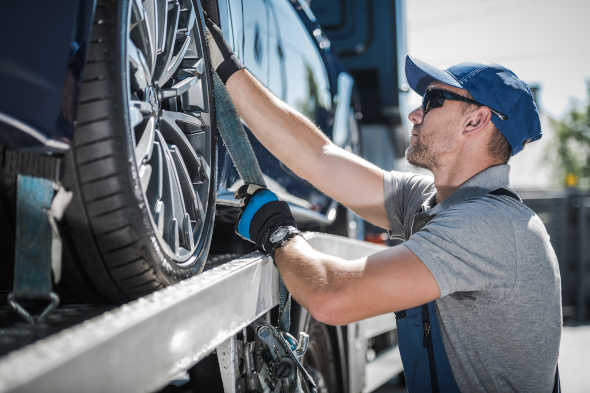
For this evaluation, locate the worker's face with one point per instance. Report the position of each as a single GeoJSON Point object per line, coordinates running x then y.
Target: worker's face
{"type": "Point", "coordinates": [436, 135]}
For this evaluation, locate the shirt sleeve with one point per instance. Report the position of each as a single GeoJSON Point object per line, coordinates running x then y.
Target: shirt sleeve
{"type": "Point", "coordinates": [404, 193]}
{"type": "Point", "coordinates": [468, 248]}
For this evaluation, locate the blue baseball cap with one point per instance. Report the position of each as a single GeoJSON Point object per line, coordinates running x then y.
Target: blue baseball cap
{"type": "Point", "coordinates": [491, 85]}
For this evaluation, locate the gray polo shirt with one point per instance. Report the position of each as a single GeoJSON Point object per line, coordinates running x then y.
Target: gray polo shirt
{"type": "Point", "coordinates": [500, 304]}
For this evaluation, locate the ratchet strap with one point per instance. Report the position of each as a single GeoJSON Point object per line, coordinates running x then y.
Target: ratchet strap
{"type": "Point", "coordinates": [38, 247]}
{"type": "Point", "coordinates": [238, 145]}
{"type": "Point", "coordinates": [31, 164]}
{"type": "Point", "coordinates": [281, 370]}
{"type": "Point", "coordinates": [40, 203]}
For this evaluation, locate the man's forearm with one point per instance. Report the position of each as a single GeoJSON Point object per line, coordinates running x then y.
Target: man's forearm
{"type": "Point", "coordinates": [296, 141]}
{"type": "Point", "coordinates": [291, 137]}
{"type": "Point", "coordinates": [316, 280]}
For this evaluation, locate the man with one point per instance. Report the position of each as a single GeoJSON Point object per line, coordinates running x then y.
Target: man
{"type": "Point", "coordinates": [476, 285]}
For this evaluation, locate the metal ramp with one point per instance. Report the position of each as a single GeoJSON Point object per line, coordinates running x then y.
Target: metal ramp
{"type": "Point", "coordinates": [142, 345]}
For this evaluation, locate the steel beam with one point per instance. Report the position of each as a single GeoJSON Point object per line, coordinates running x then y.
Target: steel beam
{"type": "Point", "coordinates": [142, 345]}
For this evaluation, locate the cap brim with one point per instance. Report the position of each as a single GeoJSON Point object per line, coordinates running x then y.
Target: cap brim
{"type": "Point", "coordinates": [420, 74]}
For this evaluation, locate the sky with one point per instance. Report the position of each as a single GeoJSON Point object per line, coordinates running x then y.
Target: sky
{"type": "Point", "coordinates": [544, 42]}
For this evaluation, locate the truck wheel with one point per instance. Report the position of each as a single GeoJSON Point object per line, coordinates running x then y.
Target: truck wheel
{"type": "Point", "coordinates": [142, 165]}
{"type": "Point", "coordinates": [321, 358]}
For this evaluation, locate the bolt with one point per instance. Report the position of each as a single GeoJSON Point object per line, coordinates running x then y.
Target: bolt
{"type": "Point", "coordinates": [200, 67]}
{"type": "Point", "coordinates": [263, 332]}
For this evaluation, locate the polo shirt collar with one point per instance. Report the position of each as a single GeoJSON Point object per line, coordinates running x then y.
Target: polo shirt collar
{"type": "Point", "coordinates": [489, 179]}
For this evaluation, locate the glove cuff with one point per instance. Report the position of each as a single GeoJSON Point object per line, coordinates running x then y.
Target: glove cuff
{"type": "Point", "coordinates": [270, 217]}
{"type": "Point", "coordinates": [228, 67]}
{"type": "Point", "coordinates": [253, 205]}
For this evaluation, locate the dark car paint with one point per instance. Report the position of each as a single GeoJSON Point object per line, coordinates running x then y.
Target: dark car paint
{"type": "Point", "coordinates": [235, 13]}
{"type": "Point", "coordinates": [42, 92]}
{"type": "Point", "coordinates": [370, 39]}
{"type": "Point", "coordinates": [38, 94]}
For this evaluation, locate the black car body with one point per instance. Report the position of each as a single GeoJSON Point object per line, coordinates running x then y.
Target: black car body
{"type": "Point", "coordinates": [97, 82]}
{"type": "Point", "coordinates": [282, 45]}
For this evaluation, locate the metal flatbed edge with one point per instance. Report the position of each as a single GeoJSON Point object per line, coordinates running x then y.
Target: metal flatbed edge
{"type": "Point", "coordinates": [142, 345]}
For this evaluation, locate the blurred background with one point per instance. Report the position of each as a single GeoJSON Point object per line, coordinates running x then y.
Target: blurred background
{"type": "Point", "coordinates": [545, 44]}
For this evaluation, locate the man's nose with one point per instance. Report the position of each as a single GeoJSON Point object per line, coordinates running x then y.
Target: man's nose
{"type": "Point", "coordinates": [417, 115]}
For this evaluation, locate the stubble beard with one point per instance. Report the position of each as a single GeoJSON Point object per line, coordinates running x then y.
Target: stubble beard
{"type": "Point", "coordinates": [419, 155]}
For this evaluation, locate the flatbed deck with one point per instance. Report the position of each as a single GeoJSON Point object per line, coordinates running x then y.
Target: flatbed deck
{"type": "Point", "coordinates": [143, 345]}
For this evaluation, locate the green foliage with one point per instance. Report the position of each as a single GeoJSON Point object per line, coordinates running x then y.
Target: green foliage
{"type": "Point", "coordinates": [309, 105]}
{"type": "Point", "coordinates": [572, 134]}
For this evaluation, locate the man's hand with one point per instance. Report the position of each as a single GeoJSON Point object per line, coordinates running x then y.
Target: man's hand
{"type": "Point", "coordinates": [262, 216]}
{"type": "Point", "coordinates": [223, 60]}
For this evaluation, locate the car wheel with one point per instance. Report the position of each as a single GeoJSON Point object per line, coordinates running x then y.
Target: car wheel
{"type": "Point", "coordinates": [143, 162]}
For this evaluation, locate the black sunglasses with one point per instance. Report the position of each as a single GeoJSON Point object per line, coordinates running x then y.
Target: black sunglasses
{"type": "Point", "coordinates": [435, 98]}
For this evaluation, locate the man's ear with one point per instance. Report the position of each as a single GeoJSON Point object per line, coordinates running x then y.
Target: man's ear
{"type": "Point", "coordinates": [477, 120]}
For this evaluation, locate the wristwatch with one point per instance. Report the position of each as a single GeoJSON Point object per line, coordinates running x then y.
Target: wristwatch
{"type": "Point", "coordinates": [280, 236]}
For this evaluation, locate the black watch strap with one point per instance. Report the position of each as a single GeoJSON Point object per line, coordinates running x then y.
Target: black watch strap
{"type": "Point", "coordinates": [273, 244]}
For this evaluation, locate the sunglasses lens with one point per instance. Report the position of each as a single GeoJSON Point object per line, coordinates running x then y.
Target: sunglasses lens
{"type": "Point", "coordinates": [426, 101]}
{"type": "Point", "coordinates": [432, 99]}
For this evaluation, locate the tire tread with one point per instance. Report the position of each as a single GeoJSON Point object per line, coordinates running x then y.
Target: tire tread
{"type": "Point", "coordinates": [97, 150]}
{"type": "Point", "coordinates": [107, 192]}
{"type": "Point", "coordinates": [90, 122]}
{"type": "Point", "coordinates": [109, 212]}
{"type": "Point", "coordinates": [137, 277]}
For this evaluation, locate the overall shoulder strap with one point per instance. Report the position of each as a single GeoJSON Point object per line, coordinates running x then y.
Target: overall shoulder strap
{"type": "Point", "coordinates": [503, 191]}
{"type": "Point", "coordinates": [420, 219]}
{"type": "Point", "coordinates": [557, 383]}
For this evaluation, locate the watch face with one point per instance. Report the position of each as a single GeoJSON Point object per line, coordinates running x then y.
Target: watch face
{"type": "Point", "coordinates": [279, 234]}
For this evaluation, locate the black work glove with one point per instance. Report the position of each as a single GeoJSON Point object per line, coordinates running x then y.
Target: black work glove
{"type": "Point", "coordinates": [223, 60]}
{"type": "Point", "coordinates": [262, 214]}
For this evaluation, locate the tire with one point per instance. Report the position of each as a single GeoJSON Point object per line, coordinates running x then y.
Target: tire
{"type": "Point", "coordinates": [142, 166]}
{"type": "Point", "coordinates": [320, 359]}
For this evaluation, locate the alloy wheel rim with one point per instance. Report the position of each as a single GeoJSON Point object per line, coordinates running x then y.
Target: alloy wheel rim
{"type": "Point", "coordinates": [169, 115]}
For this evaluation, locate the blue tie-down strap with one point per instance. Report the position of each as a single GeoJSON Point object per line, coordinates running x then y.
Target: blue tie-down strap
{"type": "Point", "coordinates": [426, 366]}
{"type": "Point", "coordinates": [234, 136]}
{"type": "Point", "coordinates": [33, 247]}
{"type": "Point", "coordinates": [258, 200]}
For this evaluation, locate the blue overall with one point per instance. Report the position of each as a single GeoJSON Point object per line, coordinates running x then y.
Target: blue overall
{"type": "Point", "coordinates": [426, 366]}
